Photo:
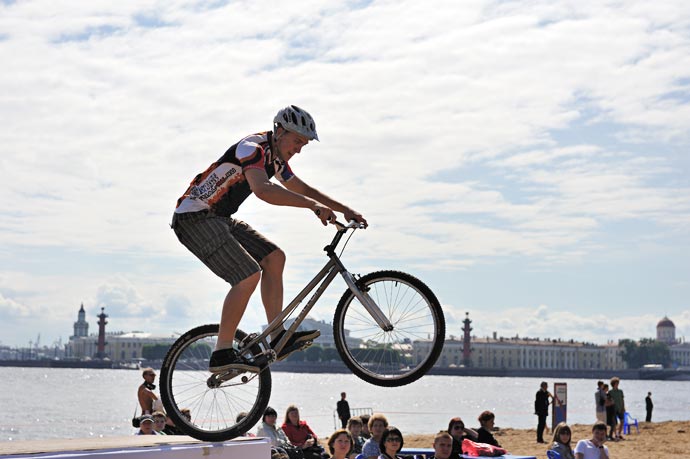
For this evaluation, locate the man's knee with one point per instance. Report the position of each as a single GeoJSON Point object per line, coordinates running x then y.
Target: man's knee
{"type": "Point", "coordinates": [274, 261]}
{"type": "Point", "coordinates": [248, 283]}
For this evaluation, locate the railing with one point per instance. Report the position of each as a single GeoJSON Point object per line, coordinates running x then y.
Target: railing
{"type": "Point", "coordinates": [353, 412]}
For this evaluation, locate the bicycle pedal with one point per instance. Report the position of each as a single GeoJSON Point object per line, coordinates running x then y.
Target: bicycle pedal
{"type": "Point", "coordinates": [216, 379]}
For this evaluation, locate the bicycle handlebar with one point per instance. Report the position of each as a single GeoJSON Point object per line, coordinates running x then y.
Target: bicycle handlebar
{"type": "Point", "coordinates": [352, 224]}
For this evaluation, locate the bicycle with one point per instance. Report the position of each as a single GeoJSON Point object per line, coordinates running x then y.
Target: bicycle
{"type": "Point", "coordinates": [388, 328]}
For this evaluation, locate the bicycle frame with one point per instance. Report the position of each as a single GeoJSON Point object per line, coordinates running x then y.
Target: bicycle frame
{"type": "Point", "coordinates": [320, 282]}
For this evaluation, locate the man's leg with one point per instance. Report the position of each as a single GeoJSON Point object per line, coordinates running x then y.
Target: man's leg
{"type": "Point", "coordinates": [619, 426]}
{"type": "Point", "coordinates": [540, 428]}
{"type": "Point", "coordinates": [233, 308]}
{"type": "Point", "coordinates": [272, 283]}
{"type": "Point", "coordinates": [272, 266]}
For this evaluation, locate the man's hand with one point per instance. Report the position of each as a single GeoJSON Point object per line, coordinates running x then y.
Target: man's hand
{"type": "Point", "coordinates": [354, 215]}
{"type": "Point", "coordinates": [325, 214]}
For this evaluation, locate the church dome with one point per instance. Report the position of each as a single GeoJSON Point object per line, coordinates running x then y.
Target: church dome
{"type": "Point", "coordinates": [665, 322]}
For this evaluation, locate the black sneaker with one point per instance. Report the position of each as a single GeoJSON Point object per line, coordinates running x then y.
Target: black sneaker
{"type": "Point", "coordinates": [295, 342]}
{"type": "Point", "coordinates": [227, 359]}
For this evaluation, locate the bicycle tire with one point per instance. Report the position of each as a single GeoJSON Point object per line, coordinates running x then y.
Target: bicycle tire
{"type": "Point", "coordinates": [183, 384]}
{"type": "Point", "coordinates": [406, 353]}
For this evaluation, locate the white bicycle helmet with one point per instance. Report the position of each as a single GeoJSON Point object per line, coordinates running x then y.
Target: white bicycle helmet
{"type": "Point", "coordinates": [295, 119]}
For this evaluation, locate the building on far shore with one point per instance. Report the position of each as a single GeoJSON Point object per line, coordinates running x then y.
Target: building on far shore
{"type": "Point", "coordinates": [498, 352]}
{"type": "Point", "coordinates": [118, 346]}
{"type": "Point", "coordinates": [680, 350]}
{"type": "Point", "coordinates": [528, 353]}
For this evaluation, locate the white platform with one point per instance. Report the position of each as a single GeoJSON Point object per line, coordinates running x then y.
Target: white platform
{"type": "Point", "coordinates": [138, 447]}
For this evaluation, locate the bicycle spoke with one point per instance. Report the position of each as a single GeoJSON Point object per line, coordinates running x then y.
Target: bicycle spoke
{"type": "Point", "coordinates": [214, 404]}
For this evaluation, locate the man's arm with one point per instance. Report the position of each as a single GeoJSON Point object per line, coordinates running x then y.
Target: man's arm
{"type": "Point", "coordinates": [298, 186]}
{"type": "Point", "coordinates": [274, 194]}
{"type": "Point", "coordinates": [471, 433]}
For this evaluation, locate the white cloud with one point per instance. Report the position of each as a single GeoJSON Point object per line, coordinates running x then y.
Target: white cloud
{"type": "Point", "coordinates": [441, 121]}
{"type": "Point", "coordinates": [10, 308]}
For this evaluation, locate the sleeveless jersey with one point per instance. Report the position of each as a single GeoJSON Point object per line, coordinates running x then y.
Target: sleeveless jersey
{"type": "Point", "coordinates": [222, 187]}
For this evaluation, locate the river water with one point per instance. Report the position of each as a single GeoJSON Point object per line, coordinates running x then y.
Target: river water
{"type": "Point", "coordinates": [41, 403]}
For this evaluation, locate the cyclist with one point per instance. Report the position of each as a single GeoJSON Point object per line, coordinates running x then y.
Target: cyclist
{"type": "Point", "coordinates": [233, 250]}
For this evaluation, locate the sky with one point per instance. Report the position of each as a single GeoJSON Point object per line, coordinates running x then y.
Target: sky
{"type": "Point", "coordinates": [527, 159]}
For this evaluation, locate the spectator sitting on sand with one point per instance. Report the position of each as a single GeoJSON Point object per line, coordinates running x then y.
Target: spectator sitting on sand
{"type": "Point", "coordinates": [341, 444]}
{"type": "Point", "coordinates": [170, 428]}
{"type": "Point", "coordinates": [443, 446]}
{"type": "Point", "coordinates": [484, 435]}
{"type": "Point", "coordinates": [270, 430]}
{"type": "Point", "coordinates": [300, 434]}
{"type": "Point", "coordinates": [146, 425]}
{"type": "Point", "coordinates": [594, 448]}
{"type": "Point", "coordinates": [354, 426]}
{"type": "Point", "coordinates": [365, 426]}
{"type": "Point", "coordinates": [377, 425]}
{"type": "Point", "coordinates": [561, 441]}
{"type": "Point", "coordinates": [391, 443]}
{"type": "Point", "coordinates": [159, 422]}
{"type": "Point", "coordinates": [244, 433]}
{"type": "Point", "coordinates": [458, 431]}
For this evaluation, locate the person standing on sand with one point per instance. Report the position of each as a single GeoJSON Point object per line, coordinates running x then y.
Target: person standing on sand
{"type": "Point", "coordinates": [594, 448]}
{"type": "Point", "coordinates": [541, 409]}
{"type": "Point", "coordinates": [649, 406]}
{"type": "Point", "coordinates": [610, 412]}
{"type": "Point", "coordinates": [343, 409]}
{"type": "Point", "coordinates": [619, 403]}
{"type": "Point", "coordinates": [600, 401]}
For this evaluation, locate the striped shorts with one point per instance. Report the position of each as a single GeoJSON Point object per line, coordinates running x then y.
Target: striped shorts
{"type": "Point", "coordinates": [230, 248]}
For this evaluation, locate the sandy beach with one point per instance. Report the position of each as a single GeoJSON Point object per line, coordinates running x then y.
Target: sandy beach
{"type": "Point", "coordinates": [669, 439]}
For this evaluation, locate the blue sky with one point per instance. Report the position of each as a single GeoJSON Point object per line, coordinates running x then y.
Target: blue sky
{"type": "Point", "coordinates": [528, 160]}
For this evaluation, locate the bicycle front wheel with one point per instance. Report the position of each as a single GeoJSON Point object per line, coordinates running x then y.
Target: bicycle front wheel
{"type": "Point", "coordinates": [403, 354]}
{"type": "Point", "coordinates": [214, 406]}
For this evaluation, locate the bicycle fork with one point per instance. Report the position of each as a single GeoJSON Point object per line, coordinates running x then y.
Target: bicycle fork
{"type": "Point", "coordinates": [368, 303]}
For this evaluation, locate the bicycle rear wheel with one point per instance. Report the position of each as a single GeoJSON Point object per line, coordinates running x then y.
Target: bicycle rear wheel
{"type": "Point", "coordinates": [213, 408]}
{"type": "Point", "coordinates": [402, 355]}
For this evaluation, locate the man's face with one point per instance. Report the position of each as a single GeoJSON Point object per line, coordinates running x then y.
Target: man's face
{"type": "Point", "coordinates": [443, 447]}
{"type": "Point", "coordinates": [146, 427]}
{"type": "Point", "coordinates": [599, 436]}
{"type": "Point", "coordinates": [355, 429]}
{"type": "Point", "coordinates": [288, 144]}
{"type": "Point", "coordinates": [149, 377]}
